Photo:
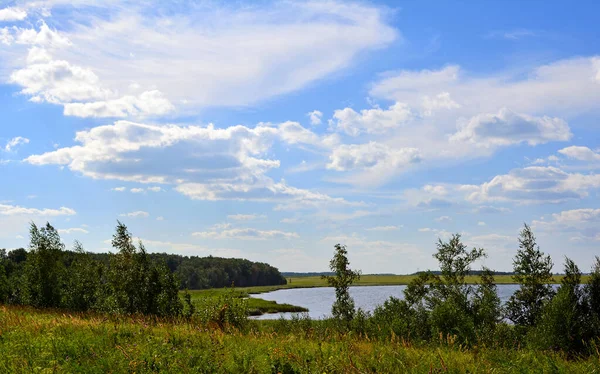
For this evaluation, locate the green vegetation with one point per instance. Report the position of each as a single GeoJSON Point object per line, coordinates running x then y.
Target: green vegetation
{"type": "Point", "coordinates": [50, 341]}
{"type": "Point", "coordinates": [129, 315]}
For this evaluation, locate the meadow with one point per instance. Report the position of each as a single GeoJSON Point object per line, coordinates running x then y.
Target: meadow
{"type": "Point", "coordinates": [47, 341]}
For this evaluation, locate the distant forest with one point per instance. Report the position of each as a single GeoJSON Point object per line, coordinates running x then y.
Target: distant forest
{"type": "Point", "coordinates": [193, 272]}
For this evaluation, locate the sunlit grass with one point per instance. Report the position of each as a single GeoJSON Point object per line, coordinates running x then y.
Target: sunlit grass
{"type": "Point", "coordinates": [49, 341]}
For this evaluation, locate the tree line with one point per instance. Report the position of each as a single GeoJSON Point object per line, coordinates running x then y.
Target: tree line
{"type": "Point", "coordinates": [128, 281]}
{"type": "Point", "coordinates": [442, 307]}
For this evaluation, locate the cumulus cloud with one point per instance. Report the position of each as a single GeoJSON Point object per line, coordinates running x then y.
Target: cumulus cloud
{"type": "Point", "coordinates": [246, 234]}
{"type": "Point", "coordinates": [15, 142]}
{"type": "Point", "coordinates": [79, 89]}
{"type": "Point", "coordinates": [118, 189]}
{"type": "Point", "coordinates": [371, 155]}
{"type": "Point", "coordinates": [315, 117]}
{"type": "Point", "coordinates": [12, 14]}
{"type": "Point", "coordinates": [15, 210]}
{"type": "Point", "coordinates": [580, 153]}
{"type": "Point", "coordinates": [439, 102]}
{"type": "Point", "coordinates": [507, 127]}
{"type": "Point", "coordinates": [137, 190]}
{"type": "Point", "coordinates": [205, 163]}
{"type": "Point", "coordinates": [580, 222]}
{"type": "Point", "coordinates": [534, 184]}
{"type": "Point", "coordinates": [136, 214]}
{"type": "Point", "coordinates": [370, 121]}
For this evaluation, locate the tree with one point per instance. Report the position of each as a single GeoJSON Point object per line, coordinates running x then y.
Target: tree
{"type": "Point", "coordinates": [592, 297]}
{"type": "Point", "coordinates": [533, 271]}
{"type": "Point", "coordinates": [343, 307]}
{"type": "Point", "coordinates": [562, 324]}
{"type": "Point", "coordinates": [450, 298]}
{"type": "Point", "coordinates": [44, 272]}
{"type": "Point", "coordinates": [83, 282]}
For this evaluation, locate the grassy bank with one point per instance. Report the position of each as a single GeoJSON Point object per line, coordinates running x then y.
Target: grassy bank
{"type": "Point", "coordinates": [47, 341]}
{"type": "Point", "coordinates": [256, 306]}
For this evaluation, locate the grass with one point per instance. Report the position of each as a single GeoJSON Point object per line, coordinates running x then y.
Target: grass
{"type": "Point", "coordinates": [256, 306]}
{"type": "Point", "coordinates": [51, 341]}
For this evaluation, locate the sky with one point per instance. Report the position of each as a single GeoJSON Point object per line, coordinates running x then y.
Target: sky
{"type": "Point", "coordinates": [274, 130]}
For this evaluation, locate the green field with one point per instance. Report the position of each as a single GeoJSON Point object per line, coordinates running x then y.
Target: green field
{"type": "Point", "coordinates": [38, 341]}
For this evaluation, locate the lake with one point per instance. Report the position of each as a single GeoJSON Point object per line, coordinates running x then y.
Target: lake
{"type": "Point", "coordinates": [320, 299]}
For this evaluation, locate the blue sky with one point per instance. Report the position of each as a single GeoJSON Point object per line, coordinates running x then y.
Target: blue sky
{"type": "Point", "coordinates": [274, 130]}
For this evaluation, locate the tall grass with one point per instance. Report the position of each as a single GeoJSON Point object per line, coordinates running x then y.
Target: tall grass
{"type": "Point", "coordinates": [53, 341]}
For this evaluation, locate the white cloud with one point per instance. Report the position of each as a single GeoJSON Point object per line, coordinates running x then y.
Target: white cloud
{"type": "Point", "coordinates": [245, 217]}
{"type": "Point", "coordinates": [443, 219]}
{"type": "Point", "coordinates": [580, 153]}
{"type": "Point", "coordinates": [584, 222]}
{"type": "Point", "coordinates": [315, 117]}
{"type": "Point", "coordinates": [440, 101]}
{"type": "Point", "coordinates": [285, 46]}
{"type": "Point", "coordinates": [118, 189]}
{"type": "Point", "coordinates": [154, 189]}
{"type": "Point", "coordinates": [371, 121]}
{"type": "Point", "coordinates": [507, 128]}
{"type": "Point", "coordinates": [246, 234]}
{"type": "Point", "coordinates": [137, 190]}
{"type": "Point", "coordinates": [480, 223]}
{"type": "Point", "coordinates": [203, 162]}
{"type": "Point", "coordinates": [146, 104]}
{"type": "Point", "coordinates": [15, 210]}
{"type": "Point", "coordinates": [534, 184]}
{"type": "Point", "coordinates": [73, 230]}
{"type": "Point", "coordinates": [383, 228]}
{"type": "Point", "coordinates": [12, 14]}
{"type": "Point", "coordinates": [373, 156]}
{"type": "Point", "coordinates": [6, 37]}
{"type": "Point", "coordinates": [564, 86]}
{"type": "Point", "coordinates": [291, 220]}
{"type": "Point", "coordinates": [160, 218]}
{"type": "Point", "coordinates": [136, 214]}
{"type": "Point", "coordinates": [15, 142]}
{"type": "Point", "coordinates": [45, 37]}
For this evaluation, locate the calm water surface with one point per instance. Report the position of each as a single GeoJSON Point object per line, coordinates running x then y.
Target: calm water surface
{"type": "Point", "coordinates": [319, 300]}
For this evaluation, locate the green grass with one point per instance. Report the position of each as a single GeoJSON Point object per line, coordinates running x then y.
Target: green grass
{"type": "Point", "coordinates": [256, 306]}
{"type": "Point", "coordinates": [51, 342]}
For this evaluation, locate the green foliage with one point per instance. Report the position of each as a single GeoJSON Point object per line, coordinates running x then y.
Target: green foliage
{"type": "Point", "coordinates": [343, 307]}
{"type": "Point", "coordinates": [562, 324]}
{"type": "Point", "coordinates": [226, 311]}
{"type": "Point", "coordinates": [83, 281]}
{"type": "Point", "coordinates": [487, 310]}
{"type": "Point", "coordinates": [592, 297]}
{"type": "Point", "coordinates": [137, 285]}
{"type": "Point", "coordinates": [44, 272]}
{"type": "Point", "coordinates": [4, 286]}
{"type": "Point", "coordinates": [533, 271]}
